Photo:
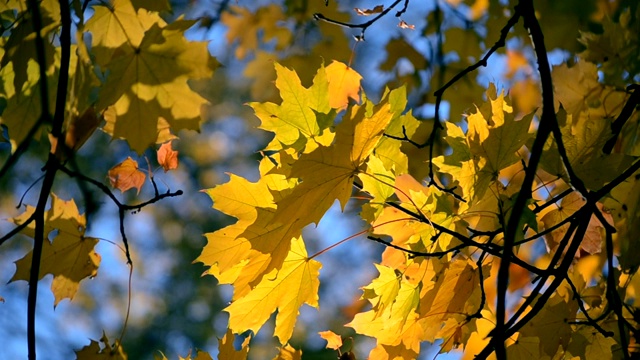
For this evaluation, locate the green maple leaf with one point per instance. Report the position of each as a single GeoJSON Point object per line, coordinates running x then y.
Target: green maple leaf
{"type": "Point", "coordinates": [298, 118]}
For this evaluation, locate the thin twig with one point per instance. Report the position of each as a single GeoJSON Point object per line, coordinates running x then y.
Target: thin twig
{"type": "Point", "coordinates": [415, 253]}
{"type": "Point", "coordinates": [365, 25]}
{"type": "Point", "coordinates": [590, 321]}
{"type": "Point", "coordinates": [122, 208]}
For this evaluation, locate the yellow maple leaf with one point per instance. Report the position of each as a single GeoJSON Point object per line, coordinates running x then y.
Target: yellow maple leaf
{"type": "Point", "coordinates": [285, 290]}
{"type": "Point", "coordinates": [344, 83]}
{"type": "Point", "coordinates": [69, 257]}
{"type": "Point", "coordinates": [389, 150]}
{"type": "Point", "coordinates": [327, 172]}
{"type": "Point", "coordinates": [401, 338]}
{"type": "Point", "coordinates": [593, 237]}
{"type": "Point", "coordinates": [299, 117]}
{"type": "Point", "coordinates": [383, 290]}
{"type": "Point", "coordinates": [549, 324]}
{"type": "Point", "coordinates": [454, 291]}
{"type": "Point", "coordinates": [245, 26]}
{"type": "Point", "coordinates": [116, 24]}
{"type": "Point", "coordinates": [254, 244]}
{"type": "Point", "coordinates": [392, 352]}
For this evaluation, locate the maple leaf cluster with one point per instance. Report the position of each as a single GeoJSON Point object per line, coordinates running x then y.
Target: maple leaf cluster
{"type": "Point", "coordinates": [510, 228]}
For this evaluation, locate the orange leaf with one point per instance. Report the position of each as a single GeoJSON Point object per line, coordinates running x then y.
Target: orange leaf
{"type": "Point", "coordinates": [334, 341]}
{"type": "Point", "coordinates": [126, 175]}
{"type": "Point", "coordinates": [344, 83]}
{"type": "Point", "coordinates": [516, 60]}
{"type": "Point", "coordinates": [404, 25]}
{"type": "Point", "coordinates": [167, 157]}
{"type": "Point", "coordinates": [366, 12]}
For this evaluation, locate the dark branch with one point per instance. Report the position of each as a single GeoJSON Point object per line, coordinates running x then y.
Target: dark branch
{"type": "Point", "coordinates": [625, 114]}
{"type": "Point", "coordinates": [526, 10]}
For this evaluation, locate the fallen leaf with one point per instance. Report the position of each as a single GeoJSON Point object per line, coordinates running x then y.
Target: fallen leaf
{"type": "Point", "coordinates": [126, 175]}
{"type": "Point", "coordinates": [167, 157]}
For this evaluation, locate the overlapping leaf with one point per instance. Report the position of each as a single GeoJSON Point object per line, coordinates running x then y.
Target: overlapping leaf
{"type": "Point", "coordinates": [70, 257]}
{"type": "Point", "coordinates": [327, 173]}
{"type": "Point", "coordinates": [148, 64]}
{"type": "Point", "coordinates": [285, 290]}
{"type": "Point", "coordinates": [489, 145]}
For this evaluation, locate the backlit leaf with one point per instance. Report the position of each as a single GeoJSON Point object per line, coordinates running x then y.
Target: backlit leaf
{"type": "Point", "coordinates": [167, 157]}
{"type": "Point", "coordinates": [334, 341]}
{"type": "Point", "coordinates": [70, 257]}
{"type": "Point", "coordinates": [126, 175]}
{"type": "Point", "coordinates": [284, 290]}
{"type": "Point", "coordinates": [344, 84]}
{"type": "Point", "coordinates": [366, 12]}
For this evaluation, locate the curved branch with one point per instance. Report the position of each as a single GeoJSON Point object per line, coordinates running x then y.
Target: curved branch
{"type": "Point", "coordinates": [122, 208]}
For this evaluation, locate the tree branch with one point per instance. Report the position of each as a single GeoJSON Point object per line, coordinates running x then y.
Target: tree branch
{"type": "Point", "coordinates": [527, 11]}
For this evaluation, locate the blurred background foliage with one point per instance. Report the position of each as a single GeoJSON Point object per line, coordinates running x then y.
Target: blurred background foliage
{"type": "Point", "coordinates": [173, 308]}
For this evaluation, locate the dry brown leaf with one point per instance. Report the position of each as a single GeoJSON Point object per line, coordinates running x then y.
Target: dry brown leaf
{"type": "Point", "coordinates": [366, 12]}
{"type": "Point", "coordinates": [167, 157]}
{"type": "Point", "coordinates": [126, 175]}
{"type": "Point", "coordinates": [404, 25]}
